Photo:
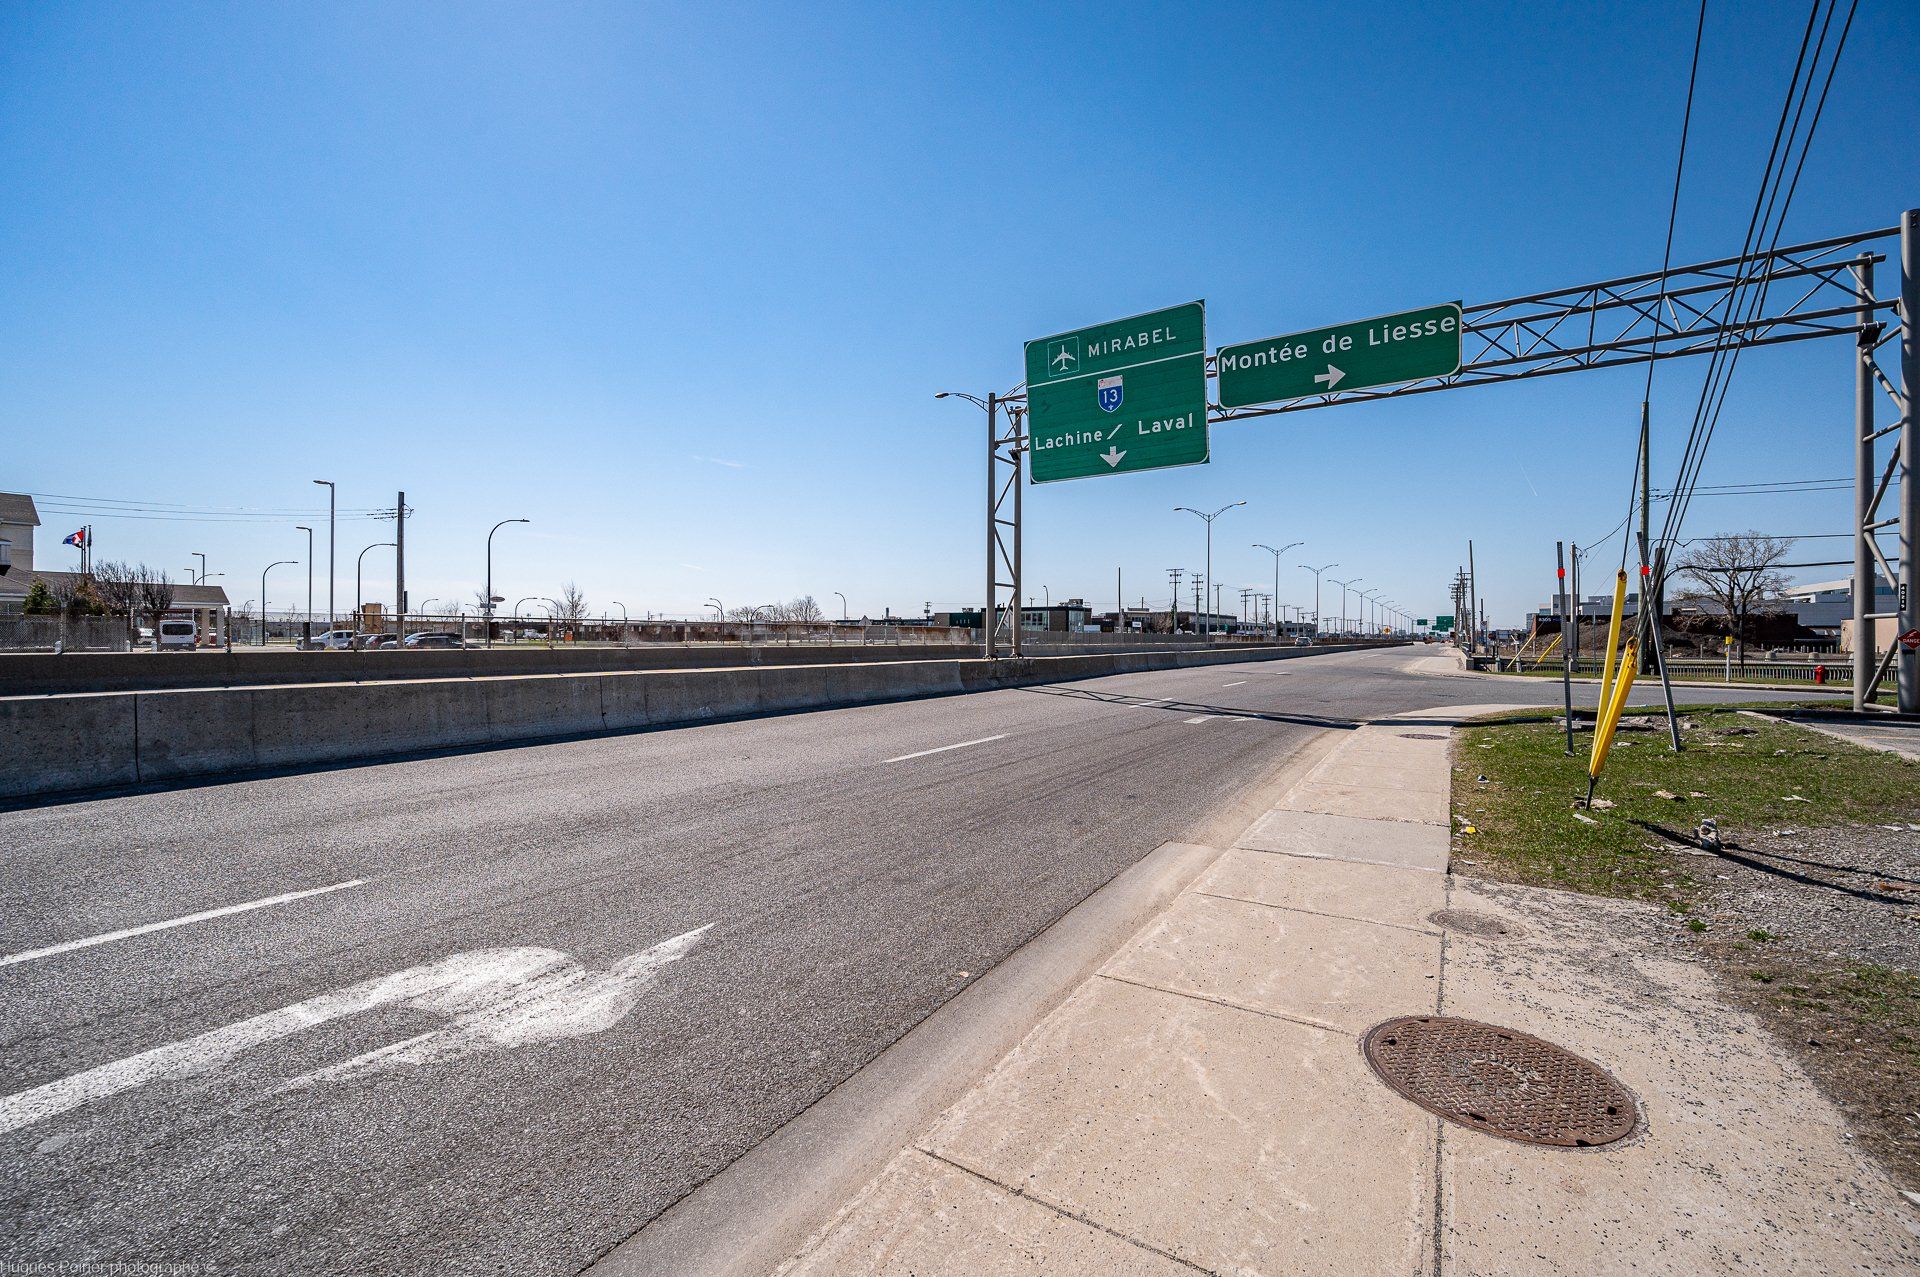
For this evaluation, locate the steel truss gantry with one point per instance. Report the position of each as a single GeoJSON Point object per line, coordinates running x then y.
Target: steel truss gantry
{"type": "Point", "coordinates": [1819, 289]}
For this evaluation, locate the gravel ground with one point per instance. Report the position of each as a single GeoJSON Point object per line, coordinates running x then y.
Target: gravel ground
{"type": "Point", "coordinates": [1848, 894]}
{"type": "Point", "coordinates": [1817, 932]}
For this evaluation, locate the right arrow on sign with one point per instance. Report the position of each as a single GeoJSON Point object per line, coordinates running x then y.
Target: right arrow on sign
{"type": "Point", "coordinates": [1112, 456]}
{"type": "Point", "coordinates": [1331, 376]}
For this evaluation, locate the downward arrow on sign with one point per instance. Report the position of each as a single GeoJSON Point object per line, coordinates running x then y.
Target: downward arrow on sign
{"type": "Point", "coordinates": [1112, 456]}
{"type": "Point", "coordinates": [1331, 376]}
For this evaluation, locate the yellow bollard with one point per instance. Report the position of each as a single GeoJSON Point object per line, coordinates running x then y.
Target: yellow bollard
{"type": "Point", "coordinates": [1607, 665]}
{"type": "Point", "coordinates": [1609, 717]}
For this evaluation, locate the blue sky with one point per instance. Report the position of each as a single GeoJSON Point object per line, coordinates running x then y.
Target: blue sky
{"type": "Point", "coordinates": [679, 283]}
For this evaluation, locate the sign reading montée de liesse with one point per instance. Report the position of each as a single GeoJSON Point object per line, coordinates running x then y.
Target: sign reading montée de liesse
{"type": "Point", "coordinates": [1118, 397]}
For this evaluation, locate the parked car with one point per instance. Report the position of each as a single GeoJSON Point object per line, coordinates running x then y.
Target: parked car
{"type": "Point", "coordinates": [435, 638]}
{"type": "Point", "coordinates": [333, 640]}
{"type": "Point", "coordinates": [1303, 641]}
{"type": "Point", "coordinates": [375, 640]}
{"type": "Point", "coordinates": [175, 636]}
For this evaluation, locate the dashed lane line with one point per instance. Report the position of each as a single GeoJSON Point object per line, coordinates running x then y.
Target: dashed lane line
{"type": "Point", "coordinates": [941, 749]}
{"type": "Point", "coordinates": [203, 916]}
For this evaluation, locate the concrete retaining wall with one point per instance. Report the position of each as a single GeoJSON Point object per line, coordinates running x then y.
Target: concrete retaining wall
{"type": "Point", "coordinates": [66, 744]}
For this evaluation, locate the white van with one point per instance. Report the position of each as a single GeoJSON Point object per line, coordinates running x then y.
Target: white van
{"type": "Point", "coordinates": [175, 635]}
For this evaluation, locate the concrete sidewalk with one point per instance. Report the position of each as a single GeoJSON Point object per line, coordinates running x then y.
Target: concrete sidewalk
{"type": "Point", "coordinates": [1202, 1104]}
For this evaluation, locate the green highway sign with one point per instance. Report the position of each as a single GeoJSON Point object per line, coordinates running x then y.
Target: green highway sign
{"type": "Point", "coordinates": [1119, 397]}
{"type": "Point", "coordinates": [1373, 352]}
{"type": "Point", "coordinates": [1442, 623]}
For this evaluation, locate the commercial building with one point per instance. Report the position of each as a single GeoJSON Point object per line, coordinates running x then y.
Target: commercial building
{"type": "Point", "coordinates": [19, 523]}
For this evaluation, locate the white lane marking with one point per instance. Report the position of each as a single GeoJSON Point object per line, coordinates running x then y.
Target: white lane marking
{"type": "Point", "coordinates": [110, 936]}
{"type": "Point", "coordinates": [944, 748]}
{"type": "Point", "coordinates": [1149, 704]}
{"type": "Point", "coordinates": [1203, 718]}
{"type": "Point", "coordinates": [493, 999]}
{"type": "Point", "coordinates": [1234, 684]}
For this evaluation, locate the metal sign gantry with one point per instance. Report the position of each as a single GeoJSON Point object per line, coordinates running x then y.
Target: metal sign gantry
{"type": "Point", "coordinates": [1823, 288]}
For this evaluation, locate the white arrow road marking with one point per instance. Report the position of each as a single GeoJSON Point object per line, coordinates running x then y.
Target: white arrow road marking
{"type": "Point", "coordinates": [1112, 455]}
{"type": "Point", "coordinates": [107, 937]}
{"type": "Point", "coordinates": [1331, 376]}
{"type": "Point", "coordinates": [493, 999]}
{"type": "Point", "coordinates": [944, 748]}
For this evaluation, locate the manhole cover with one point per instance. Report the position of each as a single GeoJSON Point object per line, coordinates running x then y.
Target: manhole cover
{"type": "Point", "coordinates": [1423, 736]}
{"type": "Point", "coordinates": [1470, 923]}
{"type": "Point", "coordinates": [1500, 1081]}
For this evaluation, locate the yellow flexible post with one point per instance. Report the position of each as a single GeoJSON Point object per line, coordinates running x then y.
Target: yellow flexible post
{"type": "Point", "coordinates": [1609, 720]}
{"type": "Point", "coordinates": [1607, 665]}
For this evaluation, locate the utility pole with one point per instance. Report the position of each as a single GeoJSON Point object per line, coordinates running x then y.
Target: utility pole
{"type": "Point", "coordinates": [400, 568]}
{"type": "Point", "coordinates": [306, 622]}
{"type": "Point", "coordinates": [1173, 610]}
{"type": "Point", "coordinates": [331, 494]}
{"type": "Point", "coordinates": [1566, 661]}
{"type": "Point", "coordinates": [1573, 639]}
{"type": "Point", "coordinates": [1473, 595]}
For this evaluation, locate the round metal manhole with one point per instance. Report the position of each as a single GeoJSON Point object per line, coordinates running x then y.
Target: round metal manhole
{"type": "Point", "coordinates": [1423, 736]}
{"type": "Point", "coordinates": [1467, 922]}
{"type": "Point", "coordinates": [1500, 1081]}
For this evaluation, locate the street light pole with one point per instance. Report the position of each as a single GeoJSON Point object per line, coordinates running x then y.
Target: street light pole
{"type": "Point", "coordinates": [202, 577]}
{"type": "Point", "coordinates": [331, 494]}
{"type": "Point", "coordinates": [1208, 520]}
{"type": "Point", "coordinates": [263, 597]}
{"type": "Point", "coordinates": [843, 606]}
{"type": "Point", "coordinates": [496, 527]}
{"type": "Point", "coordinates": [1316, 592]}
{"type": "Point", "coordinates": [1276, 569]}
{"type": "Point", "coordinates": [359, 560]}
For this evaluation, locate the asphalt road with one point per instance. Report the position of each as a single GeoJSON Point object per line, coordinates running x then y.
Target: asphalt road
{"type": "Point", "coordinates": [478, 1056]}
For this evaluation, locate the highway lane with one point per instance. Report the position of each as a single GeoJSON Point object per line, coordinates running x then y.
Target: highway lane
{"type": "Point", "coordinates": [559, 1078]}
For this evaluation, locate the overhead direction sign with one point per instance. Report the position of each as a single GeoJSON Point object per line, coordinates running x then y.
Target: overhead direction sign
{"type": "Point", "coordinates": [1118, 397]}
{"type": "Point", "coordinates": [1408, 346]}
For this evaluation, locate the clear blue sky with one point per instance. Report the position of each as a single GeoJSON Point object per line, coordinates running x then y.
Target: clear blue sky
{"type": "Point", "coordinates": [679, 282]}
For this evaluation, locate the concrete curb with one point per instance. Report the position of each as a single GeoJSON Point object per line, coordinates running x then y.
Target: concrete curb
{"type": "Point", "coordinates": [69, 744]}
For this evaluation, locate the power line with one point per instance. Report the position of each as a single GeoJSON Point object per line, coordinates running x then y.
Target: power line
{"type": "Point", "coordinates": [1720, 372]}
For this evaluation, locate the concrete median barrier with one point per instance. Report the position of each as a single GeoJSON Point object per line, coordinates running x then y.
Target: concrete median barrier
{"type": "Point", "coordinates": [53, 745]}
{"type": "Point", "coordinates": [56, 743]}
{"type": "Point", "coordinates": [187, 734]}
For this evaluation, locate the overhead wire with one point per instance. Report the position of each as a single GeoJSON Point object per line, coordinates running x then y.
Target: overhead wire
{"type": "Point", "coordinates": [1771, 205]}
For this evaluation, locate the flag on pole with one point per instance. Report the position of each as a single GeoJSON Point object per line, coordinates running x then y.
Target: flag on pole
{"type": "Point", "coordinates": [79, 539]}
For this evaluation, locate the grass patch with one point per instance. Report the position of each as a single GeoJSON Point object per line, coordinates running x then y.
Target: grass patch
{"type": "Point", "coordinates": [1742, 771]}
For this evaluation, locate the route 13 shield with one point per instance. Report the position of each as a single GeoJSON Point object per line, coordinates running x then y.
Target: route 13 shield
{"type": "Point", "coordinates": [1111, 391]}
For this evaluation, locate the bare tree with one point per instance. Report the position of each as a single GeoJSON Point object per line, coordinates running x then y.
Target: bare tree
{"type": "Point", "coordinates": [156, 593]}
{"type": "Point", "coordinates": [572, 604]}
{"type": "Point", "coordinates": [801, 608]}
{"type": "Point", "coordinates": [117, 586]}
{"type": "Point", "coordinates": [71, 594]}
{"type": "Point", "coordinates": [1734, 576]}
